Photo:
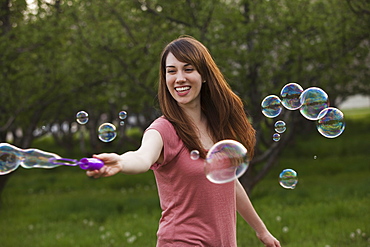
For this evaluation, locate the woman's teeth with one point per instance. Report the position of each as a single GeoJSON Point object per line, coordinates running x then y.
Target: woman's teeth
{"type": "Point", "coordinates": [181, 89]}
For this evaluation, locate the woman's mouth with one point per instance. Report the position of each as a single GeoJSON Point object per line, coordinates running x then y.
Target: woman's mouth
{"type": "Point", "coordinates": [182, 91]}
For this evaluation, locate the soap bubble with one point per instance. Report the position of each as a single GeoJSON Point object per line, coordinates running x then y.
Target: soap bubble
{"type": "Point", "coordinates": [313, 101]}
{"type": "Point", "coordinates": [280, 126]}
{"type": "Point", "coordinates": [276, 137]}
{"type": "Point", "coordinates": [35, 158]}
{"type": "Point", "coordinates": [226, 161]}
{"type": "Point", "coordinates": [107, 132]}
{"type": "Point", "coordinates": [271, 106]}
{"type": "Point", "coordinates": [290, 96]}
{"type": "Point", "coordinates": [331, 122]}
{"type": "Point", "coordinates": [82, 117]}
{"type": "Point", "coordinates": [10, 158]}
{"type": "Point", "coordinates": [288, 179]}
{"type": "Point", "coordinates": [194, 155]}
{"type": "Point", "coordinates": [122, 115]}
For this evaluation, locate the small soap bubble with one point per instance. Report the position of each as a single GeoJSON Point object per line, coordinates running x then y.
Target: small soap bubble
{"type": "Point", "coordinates": [315, 157]}
{"type": "Point", "coordinates": [330, 122]}
{"type": "Point", "coordinates": [271, 106]}
{"type": "Point", "coordinates": [313, 101]}
{"type": "Point", "coordinates": [290, 94]}
{"type": "Point", "coordinates": [107, 132]}
{"type": "Point", "coordinates": [122, 123]}
{"type": "Point", "coordinates": [122, 115]}
{"type": "Point", "coordinates": [226, 161]}
{"type": "Point", "coordinates": [276, 137]}
{"type": "Point", "coordinates": [194, 155]}
{"type": "Point", "coordinates": [280, 126]}
{"type": "Point", "coordinates": [82, 117]}
{"type": "Point", "coordinates": [288, 179]}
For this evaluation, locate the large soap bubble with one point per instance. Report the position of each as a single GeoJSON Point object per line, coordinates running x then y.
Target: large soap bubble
{"type": "Point", "coordinates": [331, 122]}
{"type": "Point", "coordinates": [38, 158]}
{"type": "Point", "coordinates": [290, 94]}
{"type": "Point", "coordinates": [313, 101]}
{"type": "Point", "coordinates": [10, 158]}
{"type": "Point", "coordinates": [226, 161]}
{"type": "Point", "coordinates": [271, 106]}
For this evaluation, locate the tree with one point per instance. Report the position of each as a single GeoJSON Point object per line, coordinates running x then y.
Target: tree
{"type": "Point", "coordinates": [60, 57]}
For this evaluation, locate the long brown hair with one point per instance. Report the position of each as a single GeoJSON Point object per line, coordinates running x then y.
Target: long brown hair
{"type": "Point", "coordinates": [223, 109]}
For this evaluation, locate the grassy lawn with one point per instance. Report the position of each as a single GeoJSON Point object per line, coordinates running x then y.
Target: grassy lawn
{"type": "Point", "coordinates": [330, 206]}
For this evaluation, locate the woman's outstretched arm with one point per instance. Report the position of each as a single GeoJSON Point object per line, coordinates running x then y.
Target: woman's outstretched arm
{"type": "Point", "coordinates": [131, 162]}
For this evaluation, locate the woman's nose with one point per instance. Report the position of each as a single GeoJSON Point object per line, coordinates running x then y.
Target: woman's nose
{"type": "Point", "coordinates": [180, 78]}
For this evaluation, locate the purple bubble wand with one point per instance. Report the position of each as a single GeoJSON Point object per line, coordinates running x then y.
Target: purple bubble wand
{"type": "Point", "coordinates": [84, 163]}
{"type": "Point", "coordinates": [12, 157]}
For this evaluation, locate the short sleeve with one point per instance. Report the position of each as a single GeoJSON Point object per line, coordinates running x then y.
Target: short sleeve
{"type": "Point", "coordinates": [172, 144]}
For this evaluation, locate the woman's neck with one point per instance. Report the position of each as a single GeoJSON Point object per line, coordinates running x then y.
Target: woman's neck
{"type": "Point", "coordinates": [201, 124]}
{"type": "Point", "coordinates": [195, 114]}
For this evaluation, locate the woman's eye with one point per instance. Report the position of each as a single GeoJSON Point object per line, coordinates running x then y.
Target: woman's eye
{"type": "Point", "coordinates": [171, 71]}
{"type": "Point", "coordinates": [189, 70]}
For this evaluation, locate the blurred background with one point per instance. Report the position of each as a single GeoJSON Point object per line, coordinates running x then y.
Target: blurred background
{"type": "Point", "coordinates": [60, 57]}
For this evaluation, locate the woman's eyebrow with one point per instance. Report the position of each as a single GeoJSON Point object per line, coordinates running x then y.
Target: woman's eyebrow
{"type": "Point", "coordinates": [172, 66]}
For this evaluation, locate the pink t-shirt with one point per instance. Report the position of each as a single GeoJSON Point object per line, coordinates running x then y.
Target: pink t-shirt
{"type": "Point", "coordinates": [195, 212]}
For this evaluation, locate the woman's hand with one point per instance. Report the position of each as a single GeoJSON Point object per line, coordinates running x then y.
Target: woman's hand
{"type": "Point", "coordinates": [268, 240]}
{"type": "Point", "coordinates": [111, 166]}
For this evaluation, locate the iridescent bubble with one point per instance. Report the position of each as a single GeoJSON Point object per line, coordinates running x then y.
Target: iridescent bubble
{"type": "Point", "coordinates": [226, 161]}
{"type": "Point", "coordinates": [276, 137]}
{"type": "Point", "coordinates": [288, 179]}
{"type": "Point", "coordinates": [35, 158]}
{"type": "Point", "coordinates": [290, 96]}
{"type": "Point", "coordinates": [194, 154]}
{"type": "Point", "coordinates": [280, 126]}
{"type": "Point", "coordinates": [313, 101]}
{"type": "Point", "coordinates": [10, 158]}
{"type": "Point", "coordinates": [82, 117]}
{"type": "Point", "coordinates": [330, 122]}
{"type": "Point", "coordinates": [107, 132]}
{"type": "Point", "coordinates": [271, 106]}
{"type": "Point", "coordinates": [122, 115]}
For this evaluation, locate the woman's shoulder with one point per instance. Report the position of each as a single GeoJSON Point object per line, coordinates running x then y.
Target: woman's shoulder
{"type": "Point", "coordinates": [161, 121]}
{"type": "Point", "coordinates": [171, 141]}
{"type": "Point", "coordinates": [163, 125]}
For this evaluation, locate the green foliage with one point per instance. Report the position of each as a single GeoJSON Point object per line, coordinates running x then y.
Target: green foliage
{"type": "Point", "coordinates": [65, 56]}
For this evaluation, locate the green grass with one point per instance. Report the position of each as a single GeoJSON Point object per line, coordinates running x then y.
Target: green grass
{"type": "Point", "coordinates": [329, 207]}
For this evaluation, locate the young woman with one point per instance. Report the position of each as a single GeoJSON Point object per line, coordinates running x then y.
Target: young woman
{"type": "Point", "coordinates": [199, 109]}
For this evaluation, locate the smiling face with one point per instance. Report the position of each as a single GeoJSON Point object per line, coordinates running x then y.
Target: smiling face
{"type": "Point", "coordinates": [183, 82]}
